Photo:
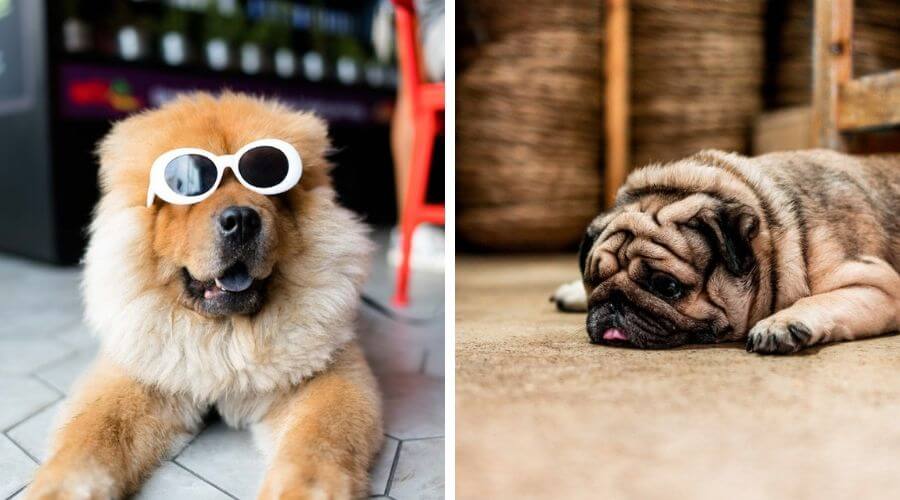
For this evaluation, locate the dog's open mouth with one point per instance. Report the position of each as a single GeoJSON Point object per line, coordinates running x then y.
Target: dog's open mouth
{"type": "Point", "coordinates": [235, 291]}
{"type": "Point", "coordinates": [625, 326]}
{"type": "Point", "coordinates": [235, 279]}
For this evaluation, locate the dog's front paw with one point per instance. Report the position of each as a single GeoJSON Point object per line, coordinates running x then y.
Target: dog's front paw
{"type": "Point", "coordinates": [777, 336]}
{"type": "Point", "coordinates": [570, 297]}
{"type": "Point", "coordinates": [71, 483]}
{"type": "Point", "coordinates": [320, 481]}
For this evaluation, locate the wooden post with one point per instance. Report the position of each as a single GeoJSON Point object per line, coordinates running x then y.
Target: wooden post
{"type": "Point", "coordinates": [616, 59]}
{"type": "Point", "coordinates": [832, 68]}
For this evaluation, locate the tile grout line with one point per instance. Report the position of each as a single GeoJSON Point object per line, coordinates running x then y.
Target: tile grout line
{"type": "Point", "coordinates": [441, 436]}
{"type": "Point", "coordinates": [198, 476]}
{"type": "Point", "coordinates": [32, 414]}
{"type": "Point", "coordinates": [18, 491]}
{"type": "Point", "coordinates": [427, 438]}
{"type": "Point", "coordinates": [190, 441]}
{"type": "Point", "coordinates": [393, 459]}
{"type": "Point", "coordinates": [68, 326]}
{"type": "Point", "coordinates": [17, 445]}
{"type": "Point", "coordinates": [400, 318]}
{"type": "Point", "coordinates": [71, 354]}
{"type": "Point", "coordinates": [48, 385]}
{"type": "Point", "coordinates": [390, 481]}
{"type": "Point", "coordinates": [65, 359]}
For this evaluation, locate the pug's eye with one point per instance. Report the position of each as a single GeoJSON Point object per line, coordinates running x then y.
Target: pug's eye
{"type": "Point", "coordinates": [666, 286]}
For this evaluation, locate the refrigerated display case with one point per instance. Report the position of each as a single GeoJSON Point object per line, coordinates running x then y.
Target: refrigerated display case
{"type": "Point", "coordinates": [69, 68]}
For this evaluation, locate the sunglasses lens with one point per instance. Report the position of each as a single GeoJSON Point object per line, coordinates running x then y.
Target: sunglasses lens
{"type": "Point", "coordinates": [191, 175]}
{"type": "Point", "coordinates": [263, 166]}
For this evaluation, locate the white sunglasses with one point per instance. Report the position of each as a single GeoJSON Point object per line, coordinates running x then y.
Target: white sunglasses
{"type": "Point", "coordinates": [190, 175]}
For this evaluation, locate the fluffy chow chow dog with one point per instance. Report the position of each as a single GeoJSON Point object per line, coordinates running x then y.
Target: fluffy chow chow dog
{"type": "Point", "coordinates": [234, 297]}
{"type": "Point", "coordinates": [782, 251]}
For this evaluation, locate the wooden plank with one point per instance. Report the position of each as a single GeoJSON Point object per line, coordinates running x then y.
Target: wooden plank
{"type": "Point", "coordinates": [616, 62]}
{"type": "Point", "coordinates": [832, 67]}
{"type": "Point", "coordinates": [781, 130]}
{"type": "Point", "coordinates": [870, 101]}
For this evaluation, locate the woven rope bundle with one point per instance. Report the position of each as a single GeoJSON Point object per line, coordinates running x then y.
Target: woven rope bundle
{"type": "Point", "coordinates": [697, 71]}
{"type": "Point", "coordinates": [876, 46]}
{"type": "Point", "coordinates": [530, 110]}
{"type": "Point", "coordinates": [529, 126]}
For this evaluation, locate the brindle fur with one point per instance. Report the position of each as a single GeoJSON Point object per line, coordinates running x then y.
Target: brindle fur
{"type": "Point", "coordinates": [785, 250]}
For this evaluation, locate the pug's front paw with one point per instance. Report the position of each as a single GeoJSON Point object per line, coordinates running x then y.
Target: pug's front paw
{"type": "Point", "coordinates": [778, 336]}
{"type": "Point", "coordinates": [570, 297]}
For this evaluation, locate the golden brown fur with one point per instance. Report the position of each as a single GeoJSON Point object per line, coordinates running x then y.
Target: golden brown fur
{"type": "Point", "coordinates": [291, 370]}
{"type": "Point", "coordinates": [785, 250]}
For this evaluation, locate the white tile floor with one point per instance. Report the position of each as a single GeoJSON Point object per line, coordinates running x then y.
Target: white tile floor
{"type": "Point", "coordinates": [44, 347]}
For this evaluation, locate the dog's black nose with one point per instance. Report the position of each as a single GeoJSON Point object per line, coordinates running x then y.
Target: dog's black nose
{"type": "Point", "coordinates": [239, 224]}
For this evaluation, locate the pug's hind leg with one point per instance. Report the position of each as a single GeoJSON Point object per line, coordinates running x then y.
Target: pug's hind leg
{"type": "Point", "coordinates": [863, 300]}
{"type": "Point", "coordinates": [570, 297]}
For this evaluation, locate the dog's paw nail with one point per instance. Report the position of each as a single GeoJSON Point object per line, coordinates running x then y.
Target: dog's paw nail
{"type": "Point", "coordinates": [778, 338]}
{"type": "Point", "coordinates": [800, 333]}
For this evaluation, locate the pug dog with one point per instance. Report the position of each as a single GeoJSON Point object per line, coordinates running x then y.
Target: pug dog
{"type": "Point", "coordinates": [783, 251]}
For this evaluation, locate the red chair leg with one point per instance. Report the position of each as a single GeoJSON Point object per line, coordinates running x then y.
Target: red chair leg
{"type": "Point", "coordinates": [414, 199]}
{"type": "Point", "coordinates": [401, 295]}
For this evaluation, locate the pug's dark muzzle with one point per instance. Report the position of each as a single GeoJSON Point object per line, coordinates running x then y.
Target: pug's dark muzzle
{"type": "Point", "coordinates": [618, 321]}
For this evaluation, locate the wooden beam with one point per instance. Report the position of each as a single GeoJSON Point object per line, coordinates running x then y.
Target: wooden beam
{"type": "Point", "coordinates": [869, 102]}
{"type": "Point", "coordinates": [781, 130]}
{"type": "Point", "coordinates": [832, 67]}
{"type": "Point", "coordinates": [616, 58]}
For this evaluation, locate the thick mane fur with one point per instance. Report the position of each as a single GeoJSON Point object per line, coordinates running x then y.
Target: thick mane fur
{"type": "Point", "coordinates": [312, 296]}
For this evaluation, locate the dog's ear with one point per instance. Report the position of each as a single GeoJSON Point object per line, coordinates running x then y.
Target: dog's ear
{"type": "Point", "coordinates": [730, 230]}
{"type": "Point", "coordinates": [590, 236]}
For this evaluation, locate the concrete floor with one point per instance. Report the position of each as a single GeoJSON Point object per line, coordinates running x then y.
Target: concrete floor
{"type": "Point", "coordinates": [44, 347]}
{"type": "Point", "coordinates": [542, 413]}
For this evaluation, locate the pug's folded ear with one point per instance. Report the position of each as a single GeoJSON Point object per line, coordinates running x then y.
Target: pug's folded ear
{"type": "Point", "coordinates": [590, 236]}
{"type": "Point", "coordinates": [730, 229]}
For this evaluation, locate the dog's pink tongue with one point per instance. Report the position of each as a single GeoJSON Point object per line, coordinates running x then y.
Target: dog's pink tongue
{"type": "Point", "coordinates": [614, 334]}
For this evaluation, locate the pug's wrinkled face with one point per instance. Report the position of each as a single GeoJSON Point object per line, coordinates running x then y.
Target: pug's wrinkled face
{"type": "Point", "coordinates": [664, 270]}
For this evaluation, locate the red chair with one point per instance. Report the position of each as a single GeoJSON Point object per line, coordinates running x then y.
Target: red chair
{"type": "Point", "coordinates": [427, 103]}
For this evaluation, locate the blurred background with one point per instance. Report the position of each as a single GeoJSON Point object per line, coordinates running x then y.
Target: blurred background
{"type": "Point", "coordinates": [734, 75]}
{"type": "Point", "coordinates": [70, 67]}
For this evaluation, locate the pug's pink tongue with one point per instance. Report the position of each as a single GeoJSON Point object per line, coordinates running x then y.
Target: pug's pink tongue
{"type": "Point", "coordinates": [614, 334]}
